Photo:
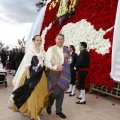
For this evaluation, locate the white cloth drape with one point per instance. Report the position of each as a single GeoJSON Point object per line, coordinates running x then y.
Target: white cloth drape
{"type": "Point", "coordinates": [116, 45]}
{"type": "Point", "coordinates": [37, 24]}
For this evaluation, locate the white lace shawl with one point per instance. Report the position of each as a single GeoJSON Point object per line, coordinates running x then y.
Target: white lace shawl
{"type": "Point", "coordinates": [30, 52]}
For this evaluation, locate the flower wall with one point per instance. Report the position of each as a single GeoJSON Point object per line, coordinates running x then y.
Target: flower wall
{"type": "Point", "coordinates": [100, 14]}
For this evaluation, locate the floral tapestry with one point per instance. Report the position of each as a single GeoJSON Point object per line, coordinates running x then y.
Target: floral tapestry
{"type": "Point", "coordinates": [93, 22]}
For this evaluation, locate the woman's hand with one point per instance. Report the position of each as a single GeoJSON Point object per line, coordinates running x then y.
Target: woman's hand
{"type": "Point", "coordinates": [28, 72]}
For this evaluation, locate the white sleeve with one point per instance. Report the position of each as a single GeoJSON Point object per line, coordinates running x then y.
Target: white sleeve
{"type": "Point", "coordinates": [28, 60]}
{"type": "Point", "coordinates": [44, 54]}
{"type": "Point", "coordinates": [48, 58]}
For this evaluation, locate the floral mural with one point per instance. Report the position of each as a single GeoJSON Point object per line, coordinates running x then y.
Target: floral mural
{"type": "Point", "coordinates": [93, 22]}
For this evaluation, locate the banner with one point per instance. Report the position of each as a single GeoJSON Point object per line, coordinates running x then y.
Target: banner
{"type": "Point", "coordinates": [115, 65]}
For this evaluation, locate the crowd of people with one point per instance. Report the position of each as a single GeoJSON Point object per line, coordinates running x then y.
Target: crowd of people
{"type": "Point", "coordinates": [12, 59]}
{"type": "Point", "coordinates": [31, 83]}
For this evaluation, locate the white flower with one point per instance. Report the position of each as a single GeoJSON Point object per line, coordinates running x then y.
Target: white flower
{"type": "Point", "coordinates": [83, 31]}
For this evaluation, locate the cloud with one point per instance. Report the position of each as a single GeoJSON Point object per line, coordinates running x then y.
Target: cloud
{"type": "Point", "coordinates": [19, 11]}
{"type": "Point", "coordinates": [10, 33]}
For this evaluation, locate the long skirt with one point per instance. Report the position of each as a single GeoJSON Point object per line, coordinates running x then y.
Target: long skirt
{"type": "Point", "coordinates": [37, 101]}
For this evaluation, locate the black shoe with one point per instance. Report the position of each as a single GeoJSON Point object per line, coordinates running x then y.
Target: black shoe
{"type": "Point", "coordinates": [79, 98]}
{"type": "Point", "coordinates": [61, 115]}
{"type": "Point", "coordinates": [84, 102]}
{"type": "Point", "coordinates": [70, 95]}
{"type": "Point", "coordinates": [68, 92]}
{"type": "Point", "coordinates": [48, 110]}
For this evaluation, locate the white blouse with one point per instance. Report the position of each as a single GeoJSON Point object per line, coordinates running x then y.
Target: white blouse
{"type": "Point", "coordinates": [40, 57]}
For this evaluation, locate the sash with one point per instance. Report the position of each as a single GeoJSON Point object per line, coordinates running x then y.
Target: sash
{"type": "Point", "coordinates": [22, 93]}
{"type": "Point", "coordinates": [65, 77]}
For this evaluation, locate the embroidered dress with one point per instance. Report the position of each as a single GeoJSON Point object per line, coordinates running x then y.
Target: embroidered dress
{"type": "Point", "coordinates": [31, 96]}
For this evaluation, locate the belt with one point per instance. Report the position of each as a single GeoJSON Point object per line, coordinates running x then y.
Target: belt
{"type": "Point", "coordinates": [55, 72]}
{"type": "Point", "coordinates": [84, 69]}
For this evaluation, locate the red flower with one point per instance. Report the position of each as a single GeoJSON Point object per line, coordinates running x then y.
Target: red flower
{"type": "Point", "coordinates": [101, 14]}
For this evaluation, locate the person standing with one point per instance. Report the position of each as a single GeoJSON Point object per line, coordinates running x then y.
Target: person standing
{"type": "Point", "coordinates": [30, 94]}
{"type": "Point", "coordinates": [57, 61]}
{"type": "Point", "coordinates": [82, 66]}
{"type": "Point", "coordinates": [16, 54]}
{"type": "Point", "coordinates": [19, 56]}
{"type": "Point", "coordinates": [73, 60]}
{"type": "Point", "coordinates": [12, 61]}
{"type": "Point", "coordinates": [3, 56]}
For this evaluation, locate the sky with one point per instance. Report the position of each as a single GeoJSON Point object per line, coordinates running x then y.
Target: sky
{"type": "Point", "coordinates": [16, 17]}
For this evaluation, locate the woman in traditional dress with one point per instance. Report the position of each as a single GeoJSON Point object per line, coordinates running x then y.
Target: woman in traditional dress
{"type": "Point", "coordinates": [30, 94]}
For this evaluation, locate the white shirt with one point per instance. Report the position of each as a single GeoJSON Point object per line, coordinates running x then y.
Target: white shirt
{"type": "Point", "coordinates": [71, 53]}
{"type": "Point", "coordinates": [48, 57]}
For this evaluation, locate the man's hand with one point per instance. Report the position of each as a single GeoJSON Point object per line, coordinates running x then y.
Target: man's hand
{"type": "Point", "coordinates": [60, 68]}
{"type": "Point", "coordinates": [52, 63]}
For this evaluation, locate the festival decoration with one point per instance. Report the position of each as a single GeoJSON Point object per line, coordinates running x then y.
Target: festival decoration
{"type": "Point", "coordinates": [96, 24]}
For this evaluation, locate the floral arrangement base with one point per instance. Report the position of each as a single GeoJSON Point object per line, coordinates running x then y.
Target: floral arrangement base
{"type": "Point", "coordinates": [115, 92]}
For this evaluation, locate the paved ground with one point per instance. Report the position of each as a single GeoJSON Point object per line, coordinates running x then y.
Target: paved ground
{"type": "Point", "coordinates": [97, 108]}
